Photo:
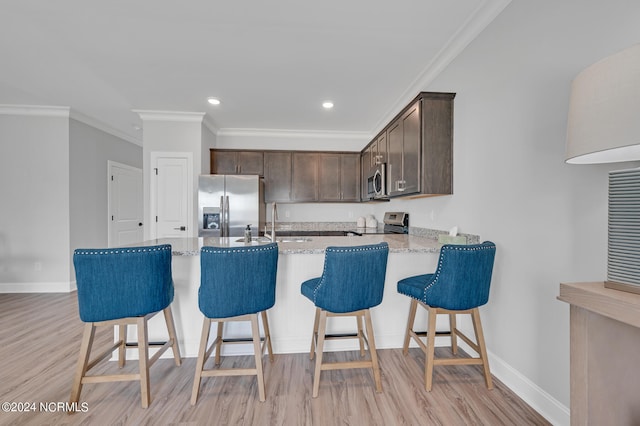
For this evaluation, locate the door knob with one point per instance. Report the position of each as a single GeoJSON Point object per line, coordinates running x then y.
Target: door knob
{"type": "Point", "coordinates": [140, 224]}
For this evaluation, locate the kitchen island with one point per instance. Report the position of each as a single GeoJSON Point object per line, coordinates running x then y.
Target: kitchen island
{"type": "Point", "coordinates": [291, 319]}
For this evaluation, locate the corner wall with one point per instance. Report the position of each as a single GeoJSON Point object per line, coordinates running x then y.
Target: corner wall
{"type": "Point", "coordinates": [512, 186]}
{"type": "Point", "coordinates": [34, 218]}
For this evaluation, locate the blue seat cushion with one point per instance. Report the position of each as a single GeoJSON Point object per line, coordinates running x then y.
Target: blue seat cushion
{"type": "Point", "coordinates": [308, 288]}
{"type": "Point", "coordinates": [414, 286]}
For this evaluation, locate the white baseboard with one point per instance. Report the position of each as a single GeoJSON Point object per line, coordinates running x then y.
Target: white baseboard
{"type": "Point", "coordinates": [44, 287]}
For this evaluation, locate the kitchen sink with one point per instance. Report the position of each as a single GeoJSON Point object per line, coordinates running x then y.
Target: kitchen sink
{"type": "Point", "coordinates": [278, 239]}
{"type": "Point", "coordinates": [293, 239]}
{"type": "Point", "coordinates": [255, 240]}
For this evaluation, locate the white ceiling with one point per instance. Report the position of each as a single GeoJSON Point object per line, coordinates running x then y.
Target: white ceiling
{"type": "Point", "coordinates": [271, 63]}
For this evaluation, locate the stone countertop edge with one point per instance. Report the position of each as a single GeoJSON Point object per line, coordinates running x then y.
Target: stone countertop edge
{"type": "Point", "coordinates": [398, 243]}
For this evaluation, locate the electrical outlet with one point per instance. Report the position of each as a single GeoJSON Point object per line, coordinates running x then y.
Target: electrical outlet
{"type": "Point", "coordinates": [37, 266]}
{"type": "Point", "coordinates": [287, 214]}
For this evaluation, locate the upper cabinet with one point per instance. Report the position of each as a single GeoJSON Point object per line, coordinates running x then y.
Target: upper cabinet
{"type": "Point", "coordinates": [226, 162]}
{"type": "Point", "coordinates": [277, 176]}
{"type": "Point", "coordinates": [419, 147]}
{"type": "Point", "coordinates": [403, 165]}
{"type": "Point", "coordinates": [339, 177]}
{"type": "Point", "coordinates": [304, 175]}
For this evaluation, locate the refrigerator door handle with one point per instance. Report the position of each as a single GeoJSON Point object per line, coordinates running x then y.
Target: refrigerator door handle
{"type": "Point", "coordinates": [222, 216]}
{"type": "Point", "coordinates": [226, 216]}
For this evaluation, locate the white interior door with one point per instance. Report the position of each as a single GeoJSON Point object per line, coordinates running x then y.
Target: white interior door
{"type": "Point", "coordinates": [125, 205]}
{"type": "Point", "coordinates": [172, 195]}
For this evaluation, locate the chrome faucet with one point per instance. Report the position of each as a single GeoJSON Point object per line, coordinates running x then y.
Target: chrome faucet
{"type": "Point", "coordinates": [274, 216]}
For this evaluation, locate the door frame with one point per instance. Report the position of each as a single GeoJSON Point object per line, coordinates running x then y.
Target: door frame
{"type": "Point", "coordinates": [153, 188]}
{"type": "Point", "coordinates": [110, 165]}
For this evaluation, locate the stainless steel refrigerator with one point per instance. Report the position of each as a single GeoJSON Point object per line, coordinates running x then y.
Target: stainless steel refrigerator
{"type": "Point", "coordinates": [228, 203]}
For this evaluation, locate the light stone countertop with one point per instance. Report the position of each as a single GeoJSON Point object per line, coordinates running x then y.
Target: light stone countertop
{"type": "Point", "coordinates": [398, 243]}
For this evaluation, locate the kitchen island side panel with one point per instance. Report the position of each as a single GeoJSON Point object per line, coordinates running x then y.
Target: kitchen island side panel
{"type": "Point", "coordinates": [291, 318]}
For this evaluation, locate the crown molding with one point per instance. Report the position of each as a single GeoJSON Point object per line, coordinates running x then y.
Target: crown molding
{"type": "Point", "coordinates": [90, 121]}
{"type": "Point", "coordinates": [294, 134]}
{"type": "Point", "coordinates": [35, 110]}
{"type": "Point", "coordinates": [191, 117]}
{"type": "Point", "coordinates": [208, 123]}
{"type": "Point", "coordinates": [473, 26]}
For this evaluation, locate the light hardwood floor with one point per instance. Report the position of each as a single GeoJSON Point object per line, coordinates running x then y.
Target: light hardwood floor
{"type": "Point", "coordinates": [40, 338]}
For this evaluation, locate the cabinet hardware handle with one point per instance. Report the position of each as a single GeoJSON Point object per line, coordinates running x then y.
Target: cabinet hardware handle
{"type": "Point", "coordinates": [182, 228]}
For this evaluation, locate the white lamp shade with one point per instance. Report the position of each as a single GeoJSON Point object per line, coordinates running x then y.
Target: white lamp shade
{"type": "Point", "coordinates": [604, 111]}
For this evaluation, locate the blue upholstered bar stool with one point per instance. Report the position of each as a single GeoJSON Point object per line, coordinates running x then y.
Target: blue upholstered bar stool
{"type": "Point", "coordinates": [120, 287]}
{"type": "Point", "coordinates": [236, 284]}
{"type": "Point", "coordinates": [459, 285]}
{"type": "Point", "coordinates": [352, 282]}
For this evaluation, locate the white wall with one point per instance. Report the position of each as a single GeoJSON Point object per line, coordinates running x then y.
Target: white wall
{"type": "Point", "coordinates": [292, 140]}
{"type": "Point", "coordinates": [90, 149]}
{"type": "Point", "coordinates": [34, 192]}
{"type": "Point", "coordinates": [512, 186]}
{"type": "Point", "coordinates": [172, 132]}
{"type": "Point", "coordinates": [209, 141]}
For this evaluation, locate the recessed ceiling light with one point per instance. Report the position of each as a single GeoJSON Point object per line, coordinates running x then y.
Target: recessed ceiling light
{"type": "Point", "coordinates": [213, 101]}
{"type": "Point", "coordinates": [327, 104]}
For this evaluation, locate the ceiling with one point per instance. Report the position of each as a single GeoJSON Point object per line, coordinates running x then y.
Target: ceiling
{"type": "Point", "coordinates": [271, 63]}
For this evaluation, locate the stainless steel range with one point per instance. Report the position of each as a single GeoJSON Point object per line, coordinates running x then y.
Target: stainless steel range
{"type": "Point", "coordinates": [396, 223]}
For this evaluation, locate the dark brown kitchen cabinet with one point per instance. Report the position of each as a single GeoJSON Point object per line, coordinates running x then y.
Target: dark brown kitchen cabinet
{"type": "Point", "coordinates": [237, 162]}
{"type": "Point", "coordinates": [339, 177]}
{"type": "Point", "coordinates": [419, 147]}
{"type": "Point", "coordinates": [304, 176]}
{"type": "Point", "coordinates": [277, 176]}
{"type": "Point", "coordinates": [403, 168]}
{"type": "Point", "coordinates": [379, 153]}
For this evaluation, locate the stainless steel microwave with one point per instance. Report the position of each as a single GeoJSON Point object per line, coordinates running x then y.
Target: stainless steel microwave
{"type": "Point", "coordinates": [377, 183]}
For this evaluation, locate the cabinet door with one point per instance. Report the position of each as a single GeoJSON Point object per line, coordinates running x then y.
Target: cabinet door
{"type": "Point", "coordinates": [350, 177]}
{"type": "Point", "coordinates": [329, 179]}
{"type": "Point", "coordinates": [411, 151]}
{"type": "Point", "coordinates": [394, 165]}
{"type": "Point", "coordinates": [364, 174]}
{"type": "Point", "coordinates": [304, 176]}
{"type": "Point", "coordinates": [382, 154]}
{"type": "Point", "coordinates": [223, 162]}
{"type": "Point", "coordinates": [277, 176]}
{"type": "Point", "coordinates": [250, 163]}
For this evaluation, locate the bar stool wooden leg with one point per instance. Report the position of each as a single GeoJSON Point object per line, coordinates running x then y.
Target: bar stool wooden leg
{"type": "Point", "coordinates": [477, 327]}
{"type": "Point", "coordinates": [219, 341]}
{"type": "Point", "coordinates": [320, 347]}
{"type": "Point", "coordinates": [255, 329]}
{"type": "Point", "coordinates": [267, 334]}
{"type": "Point", "coordinates": [171, 327]}
{"type": "Point", "coordinates": [431, 341]}
{"type": "Point", "coordinates": [122, 348]}
{"type": "Point", "coordinates": [454, 336]}
{"type": "Point", "coordinates": [204, 338]}
{"type": "Point", "coordinates": [372, 350]}
{"type": "Point", "coordinates": [314, 337]}
{"type": "Point", "coordinates": [412, 316]}
{"type": "Point", "coordinates": [83, 361]}
{"type": "Point", "coordinates": [361, 335]}
{"type": "Point", "coordinates": [143, 355]}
